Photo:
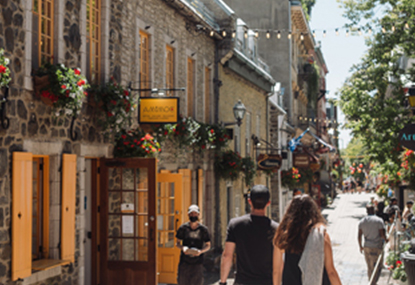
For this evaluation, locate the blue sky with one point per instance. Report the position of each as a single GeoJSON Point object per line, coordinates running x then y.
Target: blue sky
{"type": "Point", "coordinates": [340, 52]}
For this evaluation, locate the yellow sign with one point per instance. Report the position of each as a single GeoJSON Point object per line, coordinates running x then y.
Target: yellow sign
{"type": "Point", "coordinates": [158, 110]}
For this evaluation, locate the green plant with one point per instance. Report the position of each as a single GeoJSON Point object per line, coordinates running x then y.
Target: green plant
{"type": "Point", "coordinates": [65, 90]}
{"type": "Point", "coordinates": [183, 133]}
{"type": "Point", "coordinates": [221, 137]}
{"type": "Point", "coordinates": [4, 70]}
{"type": "Point", "coordinates": [135, 143]}
{"type": "Point", "coordinates": [248, 168]}
{"type": "Point", "coordinates": [407, 171]}
{"type": "Point", "coordinates": [116, 103]}
{"type": "Point", "coordinates": [306, 175]}
{"type": "Point", "coordinates": [382, 191]}
{"type": "Point", "coordinates": [228, 165]}
{"type": "Point", "coordinates": [204, 136]}
{"type": "Point", "coordinates": [290, 178]}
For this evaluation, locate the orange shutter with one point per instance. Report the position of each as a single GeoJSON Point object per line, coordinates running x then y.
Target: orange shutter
{"type": "Point", "coordinates": [68, 207]}
{"type": "Point", "coordinates": [22, 197]}
{"type": "Point", "coordinates": [187, 190]}
{"type": "Point", "coordinates": [200, 184]}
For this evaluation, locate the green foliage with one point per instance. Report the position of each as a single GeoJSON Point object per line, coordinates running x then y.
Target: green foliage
{"type": "Point", "coordinates": [4, 70]}
{"type": "Point", "coordinates": [313, 79]}
{"type": "Point", "coordinates": [248, 168]}
{"type": "Point", "coordinates": [407, 171]}
{"type": "Point", "coordinates": [66, 89]}
{"type": "Point", "coordinates": [372, 99]}
{"type": "Point", "coordinates": [307, 5]}
{"type": "Point", "coordinates": [116, 103]}
{"type": "Point", "coordinates": [228, 165]}
{"type": "Point", "coordinates": [135, 143]}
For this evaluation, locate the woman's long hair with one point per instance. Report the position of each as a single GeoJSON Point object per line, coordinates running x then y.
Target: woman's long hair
{"type": "Point", "coordinates": [301, 215]}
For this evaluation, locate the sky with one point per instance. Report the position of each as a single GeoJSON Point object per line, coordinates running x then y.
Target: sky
{"type": "Point", "coordinates": [340, 52]}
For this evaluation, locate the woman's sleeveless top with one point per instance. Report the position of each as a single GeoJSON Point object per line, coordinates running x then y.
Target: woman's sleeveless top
{"type": "Point", "coordinates": [292, 274]}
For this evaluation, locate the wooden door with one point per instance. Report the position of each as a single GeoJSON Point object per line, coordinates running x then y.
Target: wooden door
{"type": "Point", "coordinates": [128, 221]}
{"type": "Point", "coordinates": [169, 218]}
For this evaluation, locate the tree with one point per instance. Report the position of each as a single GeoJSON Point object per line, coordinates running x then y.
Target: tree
{"type": "Point", "coordinates": [372, 99]}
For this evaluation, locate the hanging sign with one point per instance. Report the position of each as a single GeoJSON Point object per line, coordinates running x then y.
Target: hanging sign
{"type": "Point", "coordinates": [154, 110]}
{"type": "Point", "coordinates": [407, 136]}
{"type": "Point", "coordinates": [301, 160]}
{"type": "Point", "coordinates": [269, 161]}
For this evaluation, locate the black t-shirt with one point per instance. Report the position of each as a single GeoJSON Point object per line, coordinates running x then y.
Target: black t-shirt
{"type": "Point", "coordinates": [253, 237]}
{"type": "Point", "coordinates": [192, 238]}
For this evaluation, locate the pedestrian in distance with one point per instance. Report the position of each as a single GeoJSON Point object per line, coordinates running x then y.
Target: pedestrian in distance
{"type": "Point", "coordinates": [392, 202]}
{"type": "Point", "coordinates": [302, 248]}
{"type": "Point", "coordinates": [408, 212]}
{"type": "Point", "coordinates": [193, 239]}
{"type": "Point", "coordinates": [250, 236]}
{"type": "Point", "coordinates": [372, 228]}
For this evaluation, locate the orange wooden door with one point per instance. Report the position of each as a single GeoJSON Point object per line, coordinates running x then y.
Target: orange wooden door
{"type": "Point", "coordinates": [169, 218]}
{"type": "Point", "coordinates": [128, 221]}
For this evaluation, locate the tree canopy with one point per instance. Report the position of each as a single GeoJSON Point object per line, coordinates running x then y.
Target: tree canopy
{"type": "Point", "coordinates": [373, 99]}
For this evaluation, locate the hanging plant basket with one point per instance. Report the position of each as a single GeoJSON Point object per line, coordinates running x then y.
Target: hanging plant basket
{"type": "Point", "coordinates": [228, 165]}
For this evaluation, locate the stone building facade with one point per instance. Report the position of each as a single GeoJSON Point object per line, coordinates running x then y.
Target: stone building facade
{"type": "Point", "coordinates": [34, 130]}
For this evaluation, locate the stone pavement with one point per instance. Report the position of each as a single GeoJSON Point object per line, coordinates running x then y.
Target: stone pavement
{"type": "Point", "coordinates": [343, 217]}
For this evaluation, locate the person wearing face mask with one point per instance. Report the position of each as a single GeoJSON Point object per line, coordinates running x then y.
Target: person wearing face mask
{"type": "Point", "coordinates": [193, 239]}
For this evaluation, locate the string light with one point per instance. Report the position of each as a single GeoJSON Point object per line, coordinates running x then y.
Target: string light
{"type": "Point", "coordinates": [347, 33]}
{"type": "Point", "coordinates": [324, 33]}
{"type": "Point", "coordinates": [314, 34]}
{"type": "Point", "coordinates": [289, 35]}
{"type": "Point", "coordinates": [393, 28]}
{"type": "Point", "coordinates": [278, 35]}
{"type": "Point", "coordinates": [370, 31]}
{"type": "Point", "coordinates": [302, 37]}
{"type": "Point", "coordinates": [406, 25]}
{"type": "Point", "coordinates": [359, 31]}
{"type": "Point", "coordinates": [337, 32]}
{"type": "Point", "coordinates": [256, 34]}
{"type": "Point", "coordinates": [224, 33]}
{"type": "Point", "coordinates": [246, 34]}
{"type": "Point", "coordinates": [233, 34]}
{"type": "Point", "coordinates": [268, 34]}
{"type": "Point", "coordinates": [212, 33]}
{"type": "Point", "coordinates": [383, 29]}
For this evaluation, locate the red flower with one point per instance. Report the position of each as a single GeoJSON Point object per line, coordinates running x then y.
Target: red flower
{"type": "Point", "coordinates": [212, 131]}
{"type": "Point", "coordinates": [113, 102]}
{"type": "Point", "coordinates": [398, 262]}
{"type": "Point", "coordinates": [203, 146]}
{"type": "Point", "coordinates": [85, 93]}
{"type": "Point", "coordinates": [123, 137]}
{"type": "Point", "coordinates": [109, 114]}
{"type": "Point", "coordinates": [126, 93]}
{"type": "Point", "coordinates": [3, 69]}
{"type": "Point", "coordinates": [63, 87]}
{"type": "Point", "coordinates": [148, 137]}
{"type": "Point", "coordinates": [126, 143]}
{"type": "Point", "coordinates": [165, 133]}
{"type": "Point", "coordinates": [81, 82]}
{"type": "Point", "coordinates": [132, 145]}
{"type": "Point", "coordinates": [77, 71]}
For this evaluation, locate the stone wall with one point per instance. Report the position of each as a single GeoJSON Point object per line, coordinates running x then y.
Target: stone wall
{"type": "Point", "coordinates": [32, 121]}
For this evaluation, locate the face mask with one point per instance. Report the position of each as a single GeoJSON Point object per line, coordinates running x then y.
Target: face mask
{"type": "Point", "coordinates": [193, 219]}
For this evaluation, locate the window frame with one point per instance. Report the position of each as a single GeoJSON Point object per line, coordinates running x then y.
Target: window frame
{"type": "Point", "coordinates": [208, 112]}
{"type": "Point", "coordinates": [89, 24]}
{"type": "Point", "coordinates": [190, 96]}
{"type": "Point", "coordinates": [37, 10]}
{"type": "Point", "coordinates": [170, 69]}
{"type": "Point", "coordinates": [144, 63]}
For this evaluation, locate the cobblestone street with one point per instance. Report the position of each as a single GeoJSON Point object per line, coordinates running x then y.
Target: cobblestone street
{"type": "Point", "coordinates": [343, 216]}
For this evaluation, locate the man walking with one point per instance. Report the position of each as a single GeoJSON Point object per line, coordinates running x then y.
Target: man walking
{"type": "Point", "coordinates": [251, 237]}
{"type": "Point", "coordinates": [373, 230]}
{"type": "Point", "coordinates": [193, 239]}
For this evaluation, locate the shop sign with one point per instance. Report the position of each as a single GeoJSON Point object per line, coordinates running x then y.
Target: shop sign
{"type": "Point", "coordinates": [158, 110]}
{"type": "Point", "coordinates": [301, 160]}
{"type": "Point", "coordinates": [269, 161]}
{"type": "Point", "coordinates": [407, 136]}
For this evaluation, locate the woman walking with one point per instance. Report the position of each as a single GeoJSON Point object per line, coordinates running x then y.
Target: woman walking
{"type": "Point", "coordinates": [302, 237]}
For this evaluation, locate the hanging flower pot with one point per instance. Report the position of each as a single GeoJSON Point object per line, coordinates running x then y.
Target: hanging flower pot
{"type": "Point", "coordinates": [4, 70]}
{"type": "Point", "coordinates": [61, 88]}
{"type": "Point", "coordinates": [135, 143]}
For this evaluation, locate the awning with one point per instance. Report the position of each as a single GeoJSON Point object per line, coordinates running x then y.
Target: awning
{"type": "Point", "coordinates": [329, 146]}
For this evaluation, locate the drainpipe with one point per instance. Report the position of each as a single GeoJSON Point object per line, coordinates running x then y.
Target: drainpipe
{"type": "Point", "coordinates": [217, 222]}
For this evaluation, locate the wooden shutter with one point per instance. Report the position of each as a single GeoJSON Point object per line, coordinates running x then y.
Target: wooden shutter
{"type": "Point", "coordinates": [22, 196]}
{"type": "Point", "coordinates": [187, 190]}
{"type": "Point", "coordinates": [200, 184]}
{"type": "Point", "coordinates": [68, 207]}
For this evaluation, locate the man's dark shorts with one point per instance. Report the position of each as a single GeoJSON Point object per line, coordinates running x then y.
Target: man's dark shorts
{"type": "Point", "coordinates": [190, 274]}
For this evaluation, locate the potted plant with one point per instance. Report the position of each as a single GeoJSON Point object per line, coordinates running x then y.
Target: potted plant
{"type": "Point", "coordinates": [61, 87]}
{"type": "Point", "coordinates": [248, 168]}
{"type": "Point", "coordinates": [135, 143]}
{"type": "Point", "coordinates": [228, 165]}
{"type": "Point", "coordinates": [116, 105]}
{"type": "Point", "coordinates": [290, 178]}
{"type": "Point", "coordinates": [183, 133]}
{"type": "Point", "coordinates": [4, 70]}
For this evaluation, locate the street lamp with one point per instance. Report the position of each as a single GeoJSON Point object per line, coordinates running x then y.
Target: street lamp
{"type": "Point", "coordinates": [239, 113]}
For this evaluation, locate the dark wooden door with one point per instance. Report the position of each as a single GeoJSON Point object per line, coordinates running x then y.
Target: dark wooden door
{"type": "Point", "coordinates": [128, 221]}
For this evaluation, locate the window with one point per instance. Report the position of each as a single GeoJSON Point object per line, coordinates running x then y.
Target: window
{"type": "Point", "coordinates": [190, 87]}
{"type": "Point", "coordinates": [42, 41]}
{"type": "Point", "coordinates": [93, 32]}
{"type": "Point", "coordinates": [144, 56]}
{"type": "Point", "coordinates": [30, 213]}
{"type": "Point", "coordinates": [207, 95]}
{"type": "Point", "coordinates": [169, 69]}
{"type": "Point", "coordinates": [40, 211]}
